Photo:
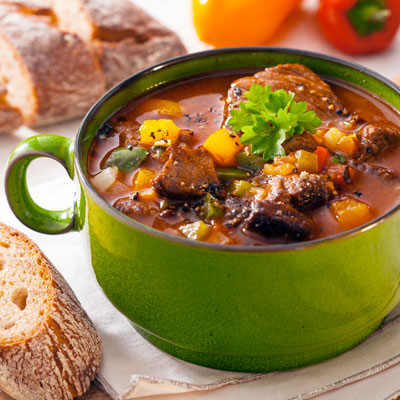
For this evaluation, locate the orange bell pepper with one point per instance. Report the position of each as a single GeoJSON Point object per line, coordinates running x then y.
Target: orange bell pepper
{"type": "Point", "coordinates": [227, 23]}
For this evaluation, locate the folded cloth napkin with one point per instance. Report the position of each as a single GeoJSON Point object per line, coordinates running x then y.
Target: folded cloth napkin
{"type": "Point", "coordinates": [133, 368]}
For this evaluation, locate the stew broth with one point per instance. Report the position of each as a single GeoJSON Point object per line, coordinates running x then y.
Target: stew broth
{"type": "Point", "coordinates": [204, 106]}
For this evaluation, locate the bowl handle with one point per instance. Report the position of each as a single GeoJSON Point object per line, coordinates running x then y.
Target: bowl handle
{"type": "Point", "coordinates": [26, 210]}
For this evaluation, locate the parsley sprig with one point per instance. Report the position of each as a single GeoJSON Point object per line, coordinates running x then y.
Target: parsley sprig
{"type": "Point", "coordinates": [269, 117]}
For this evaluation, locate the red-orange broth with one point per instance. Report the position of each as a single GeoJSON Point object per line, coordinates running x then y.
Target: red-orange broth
{"type": "Point", "coordinates": [203, 103]}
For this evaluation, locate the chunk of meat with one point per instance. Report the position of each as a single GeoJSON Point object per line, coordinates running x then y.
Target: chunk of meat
{"type": "Point", "coordinates": [131, 207]}
{"type": "Point", "coordinates": [276, 219]}
{"type": "Point", "coordinates": [308, 191]}
{"type": "Point", "coordinates": [374, 169]}
{"type": "Point", "coordinates": [304, 83]}
{"type": "Point", "coordinates": [188, 174]}
{"type": "Point", "coordinates": [376, 138]}
{"type": "Point", "coordinates": [300, 142]}
{"type": "Point", "coordinates": [129, 135]}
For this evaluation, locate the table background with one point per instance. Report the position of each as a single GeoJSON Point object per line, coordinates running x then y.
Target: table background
{"type": "Point", "coordinates": [303, 34]}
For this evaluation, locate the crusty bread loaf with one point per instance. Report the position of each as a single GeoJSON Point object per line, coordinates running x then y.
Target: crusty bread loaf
{"type": "Point", "coordinates": [49, 349]}
{"type": "Point", "coordinates": [10, 117]}
{"type": "Point", "coordinates": [125, 37]}
{"type": "Point", "coordinates": [51, 76]}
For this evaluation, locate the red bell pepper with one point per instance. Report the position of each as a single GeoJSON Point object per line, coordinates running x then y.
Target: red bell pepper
{"type": "Point", "coordinates": [323, 157]}
{"type": "Point", "coordinates": [359, 26]}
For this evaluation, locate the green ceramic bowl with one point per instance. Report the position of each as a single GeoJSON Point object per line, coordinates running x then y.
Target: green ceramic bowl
{"type": "Point", "coordinates": [235, 308]}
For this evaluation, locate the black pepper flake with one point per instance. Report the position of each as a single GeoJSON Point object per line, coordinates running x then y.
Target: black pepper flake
{"type": "Point", "coordinates": [105, 130]}
{"type": "Point", "coordinates": [369, 150]}
{"type": "Point", "coordinates": [198, 120]}
{"type": "Point", "coordinates": [346, 175]}
{"type": "Point", "coordinates": [321, 229]}
{"type": "Point", "coordinates": [212, 109]}
{"type": "Point", "coordinates": [135, 196]}
{"type": "Point", "coordinates": [186, 115]}
{"type": "Point", "coordinates": [152, 135]}
{"type": "Point", "coordinates": [339, 112]}
{"type": "Point", "coordinates": [358, 194]}
{"type": "Point", "coordinates": [237, 92]}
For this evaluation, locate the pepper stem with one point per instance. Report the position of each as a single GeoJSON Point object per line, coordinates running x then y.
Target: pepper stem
{"type": "Point", "coordinates": [369, 16]}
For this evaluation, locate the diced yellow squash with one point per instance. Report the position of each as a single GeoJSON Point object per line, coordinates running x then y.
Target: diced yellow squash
{"type": "Point", "coordinates": [196, 230]}
{"type": "Point", "coordinates": [218, 237]}
{"type": "Point", "coordinates": [224, 145]}
{"type": "Point", "coordinates": [350, 212]}
{"type": "Point", "coordinates": [143, 178]}
{"type": "Point", "coordinates": [269, 169]}
{"type": "Point", "coordinates": [332, 138]}
{"type": "Point", "coordinates": [319, 136]}
{"type": "Point", "coordinates": [154, 130]}
{"type": "Point", "coordinates": [147, 195]}
{"type": "Point", "coordinates": [348, 144]}
{"type": "Point", "coordinates": [163, 107]}
{"type": "Point", "coordinates": [307, 161]}
{"type": "Point", "coordinates": [284, 169]}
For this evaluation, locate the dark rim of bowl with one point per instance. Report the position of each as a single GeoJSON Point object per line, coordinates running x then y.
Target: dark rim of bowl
{"type": "Point", "coordinates": [215, 246]}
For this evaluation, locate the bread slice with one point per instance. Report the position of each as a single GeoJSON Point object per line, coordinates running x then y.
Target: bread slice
{"type": "Point", "coordinates": [49, 349]}
{"type": "Point", "coordinates": [51, 76]}
{"type": "Point", "coordinates": [10, 117]}
{"type": "Point", "coordinates": [125, 37]}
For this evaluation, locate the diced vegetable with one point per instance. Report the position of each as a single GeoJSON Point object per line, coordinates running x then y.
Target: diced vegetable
{"type": "Point", "coordinates": [143, 178]}
{"type": "Point", "coordinates": [239, 188]}
{"type": "Point", "coordinates": [224, 145]}
{"type": "Point", "coordinates": [307, 161]}
{"type": "Point", "coordinates": [211, 208]}
{"type": "Point", "coordinates": [228, 174]}
{"type": "Point", "coordinates": [284, 169]}
{"type": "Point", "coordinates": [219, 237]}
{"type": "Point", "coordinates": [348, 144]}
{"type": "Point", "coordinates": [350, 212]}
{"type": "Point", "coordinates": [338, 159]}
{"type": "Point", "coordinates": [195, 231]}
{"type": "Point", "coordinates": [323, 157]}
{"type": "Point", "coordinates": [127, 159]}
{"type": "Point", "coordinates": [250, 161]}
{"type": "Point", "coordinates": [105, 179]}
{"type": "Point", "coordinates": [332, 138]}
{"type": "Point", "coordinates": [281, 169]}
{"type": "Point", "coordinates": [163, 107]}
{"type": "Point", "coordinates": [147, 194]}
{"type": "Point", "coordinates": [153, 131]}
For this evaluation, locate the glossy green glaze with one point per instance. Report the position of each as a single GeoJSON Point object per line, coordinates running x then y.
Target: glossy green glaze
{"type": "Point", "coordinates": [233, 307]}
{"type": "Point", "coordinates": [22, 204]}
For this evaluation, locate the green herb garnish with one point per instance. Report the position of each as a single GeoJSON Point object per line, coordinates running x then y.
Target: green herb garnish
{"type": "Point", "coordinates": [338, 159]}
{"type": "Point", "coordinates": [127, 159]}
{"type": "Point", "coordinates": [269, 117]}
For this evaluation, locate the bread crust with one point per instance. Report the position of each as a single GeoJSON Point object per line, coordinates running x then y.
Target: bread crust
{"type": "Point", "coordinates": [62, 69]}
{"type": "Point", "coordinates": [126, 57]}
{"type": "Point", "coordinates": [125, 37]}
{"type": "Point", "coordinates": [62, 357]}
{"type": "Point", "coordinates": [10, 118]}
